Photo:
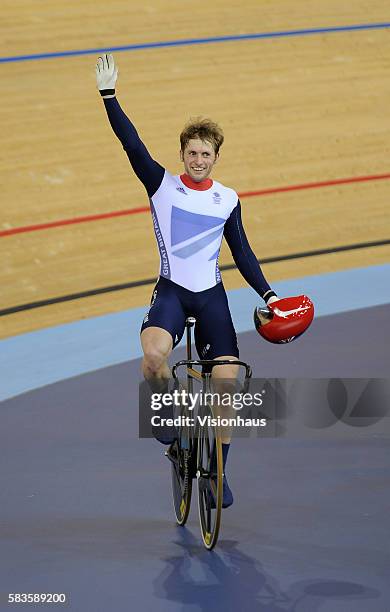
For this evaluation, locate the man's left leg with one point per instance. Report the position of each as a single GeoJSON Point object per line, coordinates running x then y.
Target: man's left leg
{"type": "Point", "coordinates": [224, 381]}
{"type": "Point", "coordinates": [215, 338]}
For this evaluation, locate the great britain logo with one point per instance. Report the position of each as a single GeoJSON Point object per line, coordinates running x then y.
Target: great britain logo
{"type": "Point", "coordinates": [216, 197]}
{"type": "Point", "coordinates": [192, 232]}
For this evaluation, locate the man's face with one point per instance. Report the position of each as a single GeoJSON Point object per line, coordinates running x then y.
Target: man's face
{"type": "Point", "coordinates": [199, 158]}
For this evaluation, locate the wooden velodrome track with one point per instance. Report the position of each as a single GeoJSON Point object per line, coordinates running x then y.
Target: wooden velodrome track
{"type": "Point", "coordinates": [295, 110]}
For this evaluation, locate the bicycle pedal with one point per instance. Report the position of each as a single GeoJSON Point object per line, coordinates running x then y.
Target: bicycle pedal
{"type": "Point", "coordinates": [171, 453]}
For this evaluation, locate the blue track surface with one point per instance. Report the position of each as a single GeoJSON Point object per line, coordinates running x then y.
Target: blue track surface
{"type": "Point", "coordinates": [36, 359]}
{"type": "Point", "coordinates": [86, 505]}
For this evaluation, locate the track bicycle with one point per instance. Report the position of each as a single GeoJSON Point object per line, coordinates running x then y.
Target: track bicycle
{"type": "Point", "coordinates": [197, 451]}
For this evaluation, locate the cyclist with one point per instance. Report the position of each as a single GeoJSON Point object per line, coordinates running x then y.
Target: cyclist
{"type": "Point", "coordinates": [191, 214]}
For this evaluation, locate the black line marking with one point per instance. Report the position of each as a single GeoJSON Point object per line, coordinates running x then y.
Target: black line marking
{"type": "Point", "coordinates": [152, 281]}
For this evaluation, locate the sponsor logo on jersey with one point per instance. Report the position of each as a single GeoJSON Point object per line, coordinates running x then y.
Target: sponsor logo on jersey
{"type": "Point", "coordinates": [182, 190]}
{"type": "Point", "coordinates": [205, 350]}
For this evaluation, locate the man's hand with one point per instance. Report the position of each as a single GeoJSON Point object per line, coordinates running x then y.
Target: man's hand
{"type": "Point", "coordinates": [273, 299]}
{"type": "Point", "coordinates": [265, 315]}
{"type": "Point", "coordinates": [106, 75]}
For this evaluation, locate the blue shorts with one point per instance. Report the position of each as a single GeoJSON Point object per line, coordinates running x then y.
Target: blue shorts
{"type": "Point", "coordinates": [171, 304]}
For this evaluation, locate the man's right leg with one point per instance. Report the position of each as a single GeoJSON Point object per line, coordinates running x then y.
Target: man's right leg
{"type": "Point", "coordinates": [163, 326]}
{"type": "Point", "coordinates": [157, 346]}
{"type": "Point", "coordinates": [164, 321]}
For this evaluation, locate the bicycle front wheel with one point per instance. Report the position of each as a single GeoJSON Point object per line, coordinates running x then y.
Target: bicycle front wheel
{"type": "Point", "coordinates": [181, 454]}
{"type": "Point", "coordinates": [210, 481]}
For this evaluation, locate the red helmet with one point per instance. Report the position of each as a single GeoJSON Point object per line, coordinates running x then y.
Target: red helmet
{"type": "Point", "coordinates": [284, 320]}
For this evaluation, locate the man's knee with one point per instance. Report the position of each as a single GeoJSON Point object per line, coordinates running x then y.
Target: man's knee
{"type": "Point", "coordinates": [228, 371]}
{"type": "Point", "coordinates": [155, 358]}
{"type": "Point", "coordinates": [224, 377]}
{"type": "Point", "coordinates": [157, 346]}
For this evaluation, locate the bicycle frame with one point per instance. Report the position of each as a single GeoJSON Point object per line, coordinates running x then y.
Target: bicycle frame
{"type": "Point", "coordinates": [189, 362]}
{"type": "Point", "coordinates": [189, 458]}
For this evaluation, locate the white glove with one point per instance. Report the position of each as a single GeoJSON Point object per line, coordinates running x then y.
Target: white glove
{"type": "Point", "coordinates": [272, 299]}
{"type": "Point", "coordinates": [106, 74]}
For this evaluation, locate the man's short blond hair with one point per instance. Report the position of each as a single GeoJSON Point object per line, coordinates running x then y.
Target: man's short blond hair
{"type": "Point", "coordinates": [203, 128]}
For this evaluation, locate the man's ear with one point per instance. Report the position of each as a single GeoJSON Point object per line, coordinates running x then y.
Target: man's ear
{"type": "Point", "coordinates": [181, 155]}
{"type": "Point", "coordinates": [216, 158]}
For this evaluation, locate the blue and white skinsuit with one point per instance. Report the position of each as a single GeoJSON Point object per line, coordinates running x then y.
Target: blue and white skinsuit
{"type": "Point", "coordinates": [189, 221]}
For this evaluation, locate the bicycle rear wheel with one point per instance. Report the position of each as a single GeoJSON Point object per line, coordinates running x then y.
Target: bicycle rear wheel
{"type": "Point", "coordinates": [210, 480]}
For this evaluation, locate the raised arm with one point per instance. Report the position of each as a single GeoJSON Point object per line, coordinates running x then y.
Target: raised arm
{"type": "Point", "coordinates": [149, 171]}
{"type": "Point", "coordinates": [244, 257]}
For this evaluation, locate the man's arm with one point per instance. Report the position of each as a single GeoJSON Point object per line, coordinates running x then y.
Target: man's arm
{"type": "Point", "coordinates": [149, 171]}
{"type": "Point", "coordinates": [244, 257]}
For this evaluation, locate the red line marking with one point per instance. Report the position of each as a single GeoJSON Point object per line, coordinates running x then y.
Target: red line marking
{"type": "Point", "coordinates": [61, 222]}
{"type": "Point", "coordinates": [343, 181]}
{"type": "Point", "coordinates": [135, 211]}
